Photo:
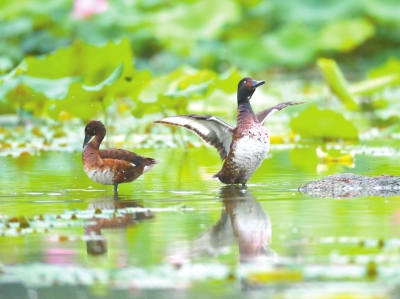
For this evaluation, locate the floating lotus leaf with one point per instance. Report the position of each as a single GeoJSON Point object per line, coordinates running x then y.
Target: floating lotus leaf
{"type": "Point", "coordinates": [323, 124]}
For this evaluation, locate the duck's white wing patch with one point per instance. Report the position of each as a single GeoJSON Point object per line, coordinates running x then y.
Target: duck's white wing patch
{"type": "Point", "coordinates": [209, 128]}
{"type": "Point", "coordinates": [263, 115]}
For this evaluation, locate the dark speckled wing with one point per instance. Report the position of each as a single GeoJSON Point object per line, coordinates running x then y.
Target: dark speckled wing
{"type": "Point", "coordinates": [209, 128]}
{"type": "Point", "coordinates": [120, 154]}
{"type": "Point", "coordinates": [263, 115]}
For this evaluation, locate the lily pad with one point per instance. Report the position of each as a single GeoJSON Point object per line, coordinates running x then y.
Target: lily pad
{"type": "Point", "coordinates": [323, 124]}
{"type": "Point", "coordinates": [390, 67]}
{"type": "Point", "coordinates": [85, 101]}
{"type": "Point", "coordinates": [81, 59]}
{"type": "Point", "coordinates": [345, 35]}
{"type": "Point", "coordinates": [116, 74]}
{"type": "Point", "coordinates": [292, 46]}
{"type": "Point", "coordinates": [178, 29]}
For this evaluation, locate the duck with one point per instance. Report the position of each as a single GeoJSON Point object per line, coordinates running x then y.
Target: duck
{"type": "Point", "coordinates": [242, 148]}
{"type": "Point", "coordinates": [110, 166]}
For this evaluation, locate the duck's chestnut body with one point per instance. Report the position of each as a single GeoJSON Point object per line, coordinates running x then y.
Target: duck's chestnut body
{"type": "Point", "coordinates": [244, 147]}
{"type": "Point", "coordinates": [110, 166]}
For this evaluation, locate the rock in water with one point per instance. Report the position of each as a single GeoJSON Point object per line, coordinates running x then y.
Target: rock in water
{"type": "Point", "coordinates": [353, 185]}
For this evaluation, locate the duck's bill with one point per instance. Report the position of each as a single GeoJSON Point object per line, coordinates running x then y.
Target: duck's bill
{"type": "Point", "coordinates": [86, 141]}
{"type": "Point", "coordinates": [255, 83]}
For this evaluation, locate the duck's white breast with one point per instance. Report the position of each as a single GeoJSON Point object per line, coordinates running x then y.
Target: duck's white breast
{"type": "Point", "coordinates": [250, 151]}
{"type": "Point", "coordinates": [105, 176]}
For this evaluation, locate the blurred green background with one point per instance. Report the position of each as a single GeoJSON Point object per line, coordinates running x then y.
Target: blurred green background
{"type": "Point", "coordinates": [251, 35]}
{"type": "Point", "coordinates": [83, 59]}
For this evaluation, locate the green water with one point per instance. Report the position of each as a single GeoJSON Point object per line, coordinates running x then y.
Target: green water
{"type": "Point", "coordinates": [196, 238]}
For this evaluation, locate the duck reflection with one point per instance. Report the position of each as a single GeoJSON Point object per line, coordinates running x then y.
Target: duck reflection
{"type": "Point", "coordinates": [96, 244]}
{"type": "Point", "coordinates": [250, 224]}
{"type": "Point", "coordinates": [243, 220]}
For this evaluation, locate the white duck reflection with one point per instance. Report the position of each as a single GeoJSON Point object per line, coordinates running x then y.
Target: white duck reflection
{"type": "Point", "coordinates": [242, 220]}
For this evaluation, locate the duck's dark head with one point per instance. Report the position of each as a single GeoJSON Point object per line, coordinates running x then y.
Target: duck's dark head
{"type": "Point", "coordinates": [93, 128]}
{"type": "Point", "coordinates": [246, 88]}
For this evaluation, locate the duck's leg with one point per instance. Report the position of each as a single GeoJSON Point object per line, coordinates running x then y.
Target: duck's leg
{"type": "Point", "coordinates": [115, 190]}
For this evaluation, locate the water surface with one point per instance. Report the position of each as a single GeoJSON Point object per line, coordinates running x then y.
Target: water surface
{"type": "Point", "coordinates": [178, 233]}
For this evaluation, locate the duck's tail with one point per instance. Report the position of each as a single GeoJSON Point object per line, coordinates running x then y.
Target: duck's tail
{"type": "Point", "coordinates": [151, 161]}
{"type": "Point", "coordinates": [149, 164]}
{"type": "Point", "coordinates": [216, 176]}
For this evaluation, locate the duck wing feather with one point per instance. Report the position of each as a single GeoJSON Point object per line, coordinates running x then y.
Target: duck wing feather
{"type": "Point", "coordinates": [209, 128]}
{"type": "Point", "coordinates": [120, 154]}
{"type": "Point", "coordinates": [263, 115]}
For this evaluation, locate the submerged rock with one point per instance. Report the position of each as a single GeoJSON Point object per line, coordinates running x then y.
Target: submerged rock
{"type": "Point", "coordinates": [353, 185]}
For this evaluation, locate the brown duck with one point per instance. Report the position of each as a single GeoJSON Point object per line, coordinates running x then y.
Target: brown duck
{"type": "Point", "coordinates": [244, 147]}
{"type": "Point", "coordinates": [110, 166]}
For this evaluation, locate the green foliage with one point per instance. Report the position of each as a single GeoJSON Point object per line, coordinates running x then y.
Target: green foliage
{"type": "Point", "coordinates": [370, 86]}
{"type": "Point", "coordinates": [93, 63]}
{"type": "Point", "coordinates": [291, 46]}
{"type": "Point", "coordinates": [179, 26]}
{"type": "Point", "coordinates": [253, 35]}
{"type": "Point", "coordinates": [379, 78]}
{"type": "Point", "coordinates": [72, 82]}
{"type": "Point", "coordinates": [84, 101]}
{"type": "Point", "coordinates": [323, 124]}
{"type": "Point", "coordinates": [345, 35]}
{"type": "Point", "coordinates": [174, 90]}
{"type": "Point", "coordinates": [336, 81]}
{"type": "Point", "coordinates": [369, 94]}
{"type": "Point", "coordinates": [391, 67]}
{"type": "Point", "coordinates": [384, 12]}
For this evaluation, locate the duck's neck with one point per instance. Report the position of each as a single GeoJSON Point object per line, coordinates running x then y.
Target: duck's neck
{"type": "Point", "coordinates": [245, 112]}
{"type": "Point", "coordinates": [100, 134]}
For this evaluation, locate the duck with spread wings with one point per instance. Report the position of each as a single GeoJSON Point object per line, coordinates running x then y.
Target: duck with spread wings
{"type": "Point", "coordinates": [243, 147]}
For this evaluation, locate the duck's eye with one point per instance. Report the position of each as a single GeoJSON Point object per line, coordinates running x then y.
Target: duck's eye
{"type": "Point", "coordinates": [244, 82]}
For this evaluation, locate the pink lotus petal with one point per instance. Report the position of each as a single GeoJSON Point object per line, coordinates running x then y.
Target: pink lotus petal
{"type": "Point", "coordinates": [87, 8]}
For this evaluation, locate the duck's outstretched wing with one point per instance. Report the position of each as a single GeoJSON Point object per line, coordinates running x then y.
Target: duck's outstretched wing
{"type": "Point", "coordinates": [209, 128]}
{"type": "Point", "coordinates": [263, 115]}
{"type": "Point", "coordinates": [120, 154]}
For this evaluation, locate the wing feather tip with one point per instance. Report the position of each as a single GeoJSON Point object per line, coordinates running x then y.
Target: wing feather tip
{"type": "Point", "coordinates": [297, 103]}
